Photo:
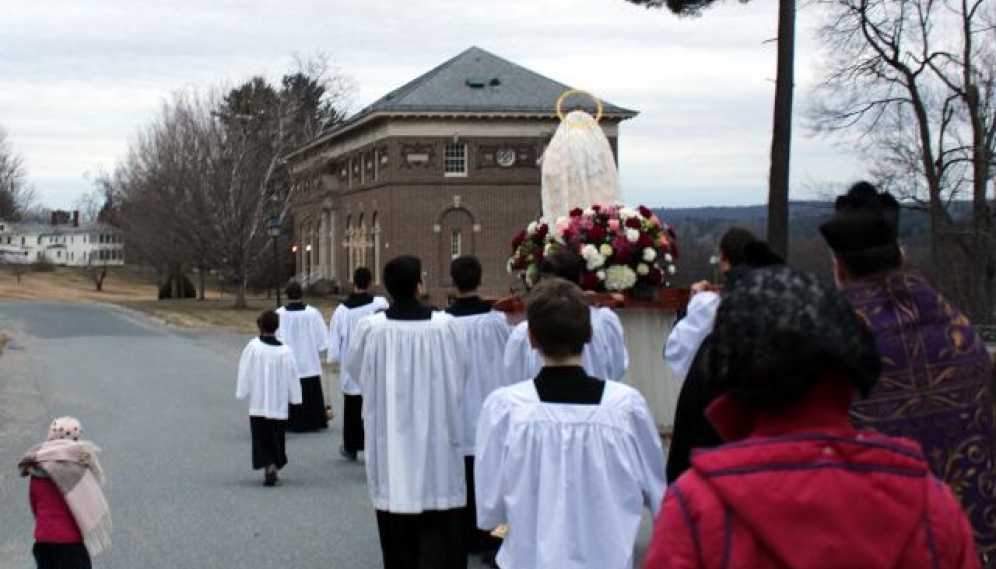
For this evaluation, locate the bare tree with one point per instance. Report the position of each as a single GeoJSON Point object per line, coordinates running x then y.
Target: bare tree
{"type": "Point", "coordinates": [915, 81]}
{"type": "Point", "coordinates": [199, 180]}
{"type": "Point", "coordinates": [781, 129]}
{"type": "Point", "coordinates": [16, 197]}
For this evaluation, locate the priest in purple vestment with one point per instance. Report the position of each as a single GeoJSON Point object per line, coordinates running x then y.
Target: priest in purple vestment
{"type": "Point", "coordinates": [936, 375]}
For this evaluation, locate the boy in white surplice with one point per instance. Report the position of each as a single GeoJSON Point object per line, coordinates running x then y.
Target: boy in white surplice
{"type": "Point", "coordinates": [411, 367]}
{"type": "Point", "coordinates": [604, 356]}
{"type": "Point", "coordinates": [485, 332]}
{"type": "Point", "coordinates": [344, 320]}
{"type": "Point", "coordinates": [302, 329]}
{"type": "Point", "coordinates": [268, 378]}
{"type": "Point", "coordinates": [566, 460]}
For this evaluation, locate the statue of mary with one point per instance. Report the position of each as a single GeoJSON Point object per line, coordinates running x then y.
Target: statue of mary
{"type": "Point", "coordinates": [578, 168]}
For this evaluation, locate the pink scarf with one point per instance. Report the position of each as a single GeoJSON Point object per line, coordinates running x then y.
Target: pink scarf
{"type": "Point", "coordinates": [73, 467]}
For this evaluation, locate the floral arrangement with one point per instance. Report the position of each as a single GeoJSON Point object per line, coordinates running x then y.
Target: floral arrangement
{"type": "Point", "coordinates": [623, 248]}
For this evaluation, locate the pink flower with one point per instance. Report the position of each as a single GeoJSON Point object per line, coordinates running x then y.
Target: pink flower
{"type": "Point", "coordinates": [614, 224]}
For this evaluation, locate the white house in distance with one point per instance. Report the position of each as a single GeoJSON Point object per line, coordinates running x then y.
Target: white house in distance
{"type": "Point", "coordinates": [61, 242]}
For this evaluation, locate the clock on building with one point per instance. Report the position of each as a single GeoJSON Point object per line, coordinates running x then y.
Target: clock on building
{"type": "Point", "coordinates": [505, 157]}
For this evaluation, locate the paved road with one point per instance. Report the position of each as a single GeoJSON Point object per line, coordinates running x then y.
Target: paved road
{"type": "Point", "coordinates": [176, 448]}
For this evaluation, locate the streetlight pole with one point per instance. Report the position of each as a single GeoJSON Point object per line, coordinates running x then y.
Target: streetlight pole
{"type": "Point", "coordinates": [273, 228]}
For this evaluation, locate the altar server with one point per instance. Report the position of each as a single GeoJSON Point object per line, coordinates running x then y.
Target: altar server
{"type": "Point", "coordinates": [486, 333]}
{"type": "Point", "coordinates": [605, 356]}
{"type": "Point", "coordinates": [410, 364]}
{"type": "Point", "coordinates": [268, 378]}
{"type": "Point", "coordinates": [302, 329]}
{"type": "Point", "coordinates": [567, 461]}
{"type": "Point", "coordinates": [347, 315]}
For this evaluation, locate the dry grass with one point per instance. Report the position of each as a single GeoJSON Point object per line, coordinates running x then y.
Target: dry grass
{"type": "Point", "coordinates": [137, 290]}
{"type": "Point", "coordinates": [71, 284]}
{"type": "Point", "coordinates": [213, 313]}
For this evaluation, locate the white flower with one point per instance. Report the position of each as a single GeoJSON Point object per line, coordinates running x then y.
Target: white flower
{"type": "Point", "coordinates": [619, 277]}
{"type": "Point", "coordinates": [531, 228]}
{"type": "Point", "coordinates": [642, 269]}
{"type": "Point", "coordinates": [605, 250]}
{"type": "Point", "coordinates": [588, 212]}
{"type": "Point", "coordinates": [649, 254]}
{"type": "Point", "coordinates": [671, 270]}
{"type": "Point", "coordinates": [592, 258]}
{"type": "Point", "coordinates": [600, 275]}
{"type": "Point", "coordinates": [632, 235]}
{"type": "Point", "coordinates": [668, 258]}
{"type": "Point", "coordinates": [559, 237]}
{"type": "Point", "coordinates": [626, 213]}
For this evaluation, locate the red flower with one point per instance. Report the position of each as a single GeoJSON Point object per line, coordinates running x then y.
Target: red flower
{"type": "Point", "coordinates": [589, 281]}
{"type": "Point", "coordinates": [644, 241]}
{"type": "Point", "coordinates": [655, 277]}
{"type": "Point", "coordinates": [519, 239]}
{"type": "Point", "coordinates": [542, 230]}
{"type": "Point", "coordinates": [596, 235]}
{"type": "Point", "coordinates": [596, 207]}
{"type": "Point", "coordinates": [645, 212]}
{"type": "Point", "coordinates": [576, 212]}
{"type": "Point", "coordinates": [623, 251]}
{"type": "Point", "coordinates": [633, 223]}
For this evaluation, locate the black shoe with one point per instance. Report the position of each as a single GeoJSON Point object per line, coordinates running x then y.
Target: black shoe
{"type": "Point", "coordinates": [348, 455]}
{"type": "Point", "coordinates": [271, 477]}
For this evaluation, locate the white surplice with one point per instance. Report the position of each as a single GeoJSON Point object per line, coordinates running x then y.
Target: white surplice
{"type": "Point", "coordinates": [341, 327]}
{"type": "Point", "coordinates": [411, 373]}
{"type": "Point", "coordinates": [605, 357]}
{"type": "Point", "coordinates": [268, 377]}
{"type": "Point", "coordinates": [570, 481]}
{"type": "Point", "coordinates": [688, 334]}
{"type": "Point", "coordinates": [304, 333]}
{"type": "Point", "coordinates": [485, 336]}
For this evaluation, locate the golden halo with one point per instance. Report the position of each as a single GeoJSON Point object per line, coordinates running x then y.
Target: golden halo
{"type": "Point", "coordinates": [568, 93]}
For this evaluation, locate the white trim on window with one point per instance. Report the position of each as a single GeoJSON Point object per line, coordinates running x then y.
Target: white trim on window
{"type": "Point", "coordinates": [455, 160]}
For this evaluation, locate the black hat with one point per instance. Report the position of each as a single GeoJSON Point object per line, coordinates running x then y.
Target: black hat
{"type": "Point", "coordinates": [865, 218]}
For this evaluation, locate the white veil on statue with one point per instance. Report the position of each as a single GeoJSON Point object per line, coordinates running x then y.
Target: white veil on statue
{"type": "Point", "coordinates": [578, 167]}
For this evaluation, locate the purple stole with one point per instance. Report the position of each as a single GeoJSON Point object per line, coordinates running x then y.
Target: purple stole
{"type": "Point", "coordinates": [935, 389]}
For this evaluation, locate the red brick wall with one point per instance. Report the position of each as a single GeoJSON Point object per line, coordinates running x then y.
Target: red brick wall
{"type": "Point", "coordinates": [412, 201]}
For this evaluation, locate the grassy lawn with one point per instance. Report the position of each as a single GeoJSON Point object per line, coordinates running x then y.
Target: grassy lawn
{"type": "Point", "coordinates": [136, 289]}
{"type": "Point", "coordinates": [213, 313]}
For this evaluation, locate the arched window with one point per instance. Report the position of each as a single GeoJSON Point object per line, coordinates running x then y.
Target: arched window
{"type": "Point", "coordinates": [361, 243]}
{"type": "Point", "coordinates": [348, 245]}
{"type": "Point", "coordinates": [456, 237]}
{"type": "Point", "coordinates": [456, 243]}
{"type": "Point", "coordinates": [376, 248]}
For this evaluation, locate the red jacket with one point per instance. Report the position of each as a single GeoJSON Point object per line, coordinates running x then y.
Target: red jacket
{"type": "Point", "coordinates": [54, 523]}
{"type": "Point", "coordinates": [804, 490]}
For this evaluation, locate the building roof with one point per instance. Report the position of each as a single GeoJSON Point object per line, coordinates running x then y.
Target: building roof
{"type": "Point", "coordinates": [48, 228]}
{"type": "Point", "coordinates": [474, 83]}
{"type": "Point", "coordinates": [480, 82]}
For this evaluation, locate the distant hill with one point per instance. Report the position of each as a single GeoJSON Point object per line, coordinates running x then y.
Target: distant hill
{"type": "Point", "coordinates": [804, 218]}
{"type": "Point", "coordinates": [700, 228]}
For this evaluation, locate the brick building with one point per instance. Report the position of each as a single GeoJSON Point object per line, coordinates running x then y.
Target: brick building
{"type": "Point", "coordinates": [442, 166]}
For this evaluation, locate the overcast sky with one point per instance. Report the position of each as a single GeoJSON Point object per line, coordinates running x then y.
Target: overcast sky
{"type": "Point", "coordinates": [78, 78]}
